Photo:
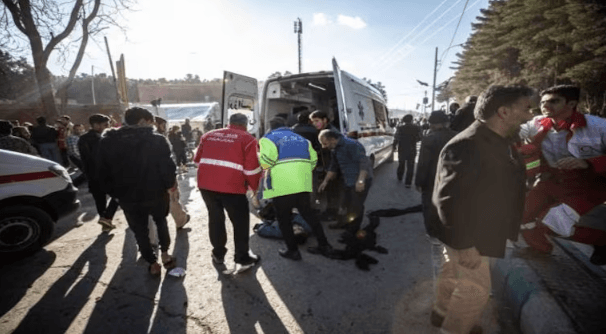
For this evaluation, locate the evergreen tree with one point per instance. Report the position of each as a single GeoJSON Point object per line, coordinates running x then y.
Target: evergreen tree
{"type": "Point", "coordinates": [540, 44]}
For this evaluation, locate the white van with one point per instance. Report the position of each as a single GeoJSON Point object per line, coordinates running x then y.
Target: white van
{"type": "Point", "coordinates": [34, 194]}
{"type": "Point", "coordinates": [355, 108]}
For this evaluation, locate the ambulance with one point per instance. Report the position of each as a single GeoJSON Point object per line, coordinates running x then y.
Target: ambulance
{"type": "Point", "coordinates": [34, 194]}
{"type": "Point", "coordinates": [355, 108]}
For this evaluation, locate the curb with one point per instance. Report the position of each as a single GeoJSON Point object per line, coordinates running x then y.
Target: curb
{"type": "Point", "coordinates": [535, 310]}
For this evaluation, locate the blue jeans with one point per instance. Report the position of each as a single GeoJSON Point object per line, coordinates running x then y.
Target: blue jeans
{"type": "Point", "coordinates": [50, 151]}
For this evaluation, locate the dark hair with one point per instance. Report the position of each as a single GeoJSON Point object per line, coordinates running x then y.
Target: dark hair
{"type": "Point", "coordinates": [303, 117]}
{"type": "Point", "coordinates": [407, 118]}
{"type": "Point", "coordinates": [453, 107]}
{"type": "Point", "coordinates": [318, 114]}
{"type": "Point", "coordinates": [329, 134]}
{"type": "Point", "coordinates": [277, 122]}
{"type": "Point", "coordinates": [569, 92]}
{"type": "Point", "coordinates": [98, 119]}
{"type": "Point", "coordinates": [18, 131]}
{"type": "Point", "coordinates": [135, 114]}
{"type": "Point", "coordinates": [5, 127]}
{"type": "Point", "coordinates": [41, 120]}
{"type": "Point", "coordinates": [499, 96]}
{"type": "Point", "coordinates": [238, 119]}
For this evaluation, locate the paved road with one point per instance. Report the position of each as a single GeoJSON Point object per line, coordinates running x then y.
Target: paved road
{"type": "Point", "coordinates": [88, 282]}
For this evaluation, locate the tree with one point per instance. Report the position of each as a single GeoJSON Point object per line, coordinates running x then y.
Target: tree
{"type": "Point", "coordinates": [16, 76]}
{"type": "Point", "coordinates": [540, 44]}
{"type": "Point", "coordinates": [35, 23]}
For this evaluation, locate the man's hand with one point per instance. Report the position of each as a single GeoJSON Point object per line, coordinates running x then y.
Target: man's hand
{"type": "Point", "coordinates": [360, 186]}
{"type": "Point", "coordinates": [572, 163]}
{"type": "Point", "coordinates": [255, 201]}
{"type": "Point", "coordinates": [470, 258]}
{"type": "Point", "coordinates": [322, 186]}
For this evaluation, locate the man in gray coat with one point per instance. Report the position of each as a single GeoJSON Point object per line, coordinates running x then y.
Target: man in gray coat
{"type": "Point", "coordinates": [479, 195]}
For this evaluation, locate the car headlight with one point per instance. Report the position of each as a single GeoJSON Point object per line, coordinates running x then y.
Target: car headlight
{"type": "Point", "coordinates": [61, 172]}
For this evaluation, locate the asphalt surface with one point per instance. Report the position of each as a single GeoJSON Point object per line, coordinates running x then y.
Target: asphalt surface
{"type": "Point", "coordinates": [86, 281]}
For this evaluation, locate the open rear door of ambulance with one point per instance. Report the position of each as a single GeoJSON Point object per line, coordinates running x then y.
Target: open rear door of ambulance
{"type": "Point", "coordinates": [240, 95]}
{"type": "Point", "coordinates": [342, 97]}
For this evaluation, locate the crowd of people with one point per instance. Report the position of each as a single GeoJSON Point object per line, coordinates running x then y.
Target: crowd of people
{"type": "Point", "coordinates": [486, 172]}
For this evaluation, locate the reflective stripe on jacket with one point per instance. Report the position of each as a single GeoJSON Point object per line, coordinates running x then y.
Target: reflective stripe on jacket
{"type": "Point", "coordinates": [227, 161]}
{"type": "Point", "coordinates": [289, 160]}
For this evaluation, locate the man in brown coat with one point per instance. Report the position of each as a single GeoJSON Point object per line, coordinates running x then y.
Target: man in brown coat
{"type": "Point", "coordinates": [479, 194]}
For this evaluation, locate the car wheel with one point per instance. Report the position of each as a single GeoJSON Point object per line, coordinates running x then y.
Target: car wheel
{"type": "Point", "coordinates": [24, 230]}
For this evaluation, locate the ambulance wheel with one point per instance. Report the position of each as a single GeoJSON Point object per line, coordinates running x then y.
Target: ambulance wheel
{"type": "Point", "coordinates": [24, 230]}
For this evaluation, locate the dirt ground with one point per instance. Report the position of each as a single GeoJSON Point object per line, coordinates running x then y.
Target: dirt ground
{"type": "Point", "coordinates": [86, 281]}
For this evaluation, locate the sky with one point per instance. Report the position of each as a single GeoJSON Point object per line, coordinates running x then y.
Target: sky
{"type": "Point", "coordinates": [387, 41]}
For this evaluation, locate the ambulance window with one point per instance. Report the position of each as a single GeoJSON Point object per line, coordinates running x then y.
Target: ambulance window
{"type": "Point", "coordinates": [380, 114]}
{"type": "Point", "coordinates": [243, 105]}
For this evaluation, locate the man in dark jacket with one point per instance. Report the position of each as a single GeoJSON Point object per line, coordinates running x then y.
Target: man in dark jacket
{"type": "Point", "coordinates": [464, 116]}
{"type": "Point", "coordinates": [135, 166]}
{"type": "Point", "coordinates": [305, 129]}
{"type": "Point", "coordinates": [349, 158]}
{"type": "Point", "coordinates": [45, 140]}
{"type": "Point", "coordinates": [479, 194]}
{"type": "Point", "coordinates": [333, 194]}
{"type": "Point", "coordinates": [406, 137]}
{"type": "Point", "coordinates": [88, 145]}
{"type": "Point", "coordinates": [431, 145]}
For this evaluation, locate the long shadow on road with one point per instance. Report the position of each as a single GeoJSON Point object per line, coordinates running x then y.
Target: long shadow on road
{"type": "Point", "coordinates": [129, 299]}
{"type": "Point", "coordinates": [55, 312]}
{"type": "Point", "coordinates": [246, 306]}
{"type": "Point", "coordinates": [17, 277]}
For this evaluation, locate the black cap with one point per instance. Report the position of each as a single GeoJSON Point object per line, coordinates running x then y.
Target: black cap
{"type": "Point", "coordinates": [437, 117]}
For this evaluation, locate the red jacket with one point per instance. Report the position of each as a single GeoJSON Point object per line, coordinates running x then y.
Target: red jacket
{"type": "Point", "coordinates": [227, 161]}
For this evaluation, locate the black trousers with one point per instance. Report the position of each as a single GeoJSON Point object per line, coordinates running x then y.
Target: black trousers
{"type": "Point", "coordinates": [406, 161]}
{"type": "Point", "coordinates": [431, 219]}
{"type": "Point", "coordinates": [82, 177]}
{"type": "Point", "coordinates": [104, 209]}
{"type": "Point", "coordinates": [236, 206]}
{"type": "Point", "coordinates": [354, 202]}
{"type": "Point", "coordinates": [137, 216]}
{"type": "Point", "coordinates": [284, 206]}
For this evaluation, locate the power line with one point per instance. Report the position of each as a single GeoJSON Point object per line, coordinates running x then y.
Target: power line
{"type": "Point", "coordinates": [410, 33]}
{"type": "Point", "coordinates": [396, 59]}
{"type": "Point", "coordinates": [455, 32]}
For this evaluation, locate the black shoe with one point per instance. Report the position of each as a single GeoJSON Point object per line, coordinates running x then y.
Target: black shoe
{"type": "Point", "coordinates": [599, 256]}
{"type": "Point", "coordinates": [290, 254]}
{"type": "Point", "coordinates": [325, 250]}
{"type": "Point", "coordinates": [249, 262]}
{"type": "Point", "coordinates": [437, 320]}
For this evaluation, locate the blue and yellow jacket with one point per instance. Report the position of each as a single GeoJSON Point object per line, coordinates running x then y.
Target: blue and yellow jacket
{"type": "Point", "coordinates": [289, 160]}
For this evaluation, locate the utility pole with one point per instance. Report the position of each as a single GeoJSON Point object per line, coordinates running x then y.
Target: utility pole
{"type": "Point", "coordinates": [111, 64]}
{"type": "Point", "coordinates": [92, 74]}
{"type": "Point", "coordinates": [299, 31]}
{"type": "Point", "coordinates": [433, 88]}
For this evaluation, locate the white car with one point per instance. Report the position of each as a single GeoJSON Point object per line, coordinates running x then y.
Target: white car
{"type": "Point", "coordinates": [34, 194]}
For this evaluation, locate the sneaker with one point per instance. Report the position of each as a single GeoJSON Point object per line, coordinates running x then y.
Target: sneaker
{"type": "Point", "coordinates": [294, 255]}
{"type": "Point", "coordinates": [106, 224]}
{"type": "Point", "coordinates": [218, 260]}
{"type": "Point", "coordinates": [248, 263]}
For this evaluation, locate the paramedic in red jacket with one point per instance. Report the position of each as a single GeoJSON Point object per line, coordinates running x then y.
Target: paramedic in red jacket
{"type": "Point", "coordinates": [570, 160]}
{"type": "Point", "coordinates": [228, 166]}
